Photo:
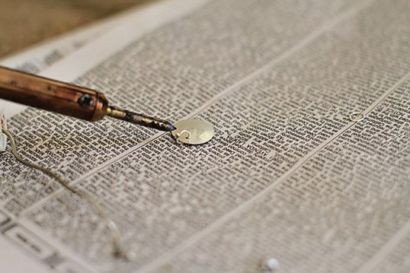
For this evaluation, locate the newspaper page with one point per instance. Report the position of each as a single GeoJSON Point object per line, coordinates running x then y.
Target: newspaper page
{"type": "Point", "coordinates": [310, 164]}
{"type": "Point", "coordinates": [34, 60]}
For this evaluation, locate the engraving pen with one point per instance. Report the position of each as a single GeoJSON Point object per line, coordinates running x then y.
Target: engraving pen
{"type": "Point", "coordinates": [68, 99]}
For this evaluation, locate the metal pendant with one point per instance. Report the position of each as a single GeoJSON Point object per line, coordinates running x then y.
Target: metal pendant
{"type": "Point", "coordinates": [193, 131]}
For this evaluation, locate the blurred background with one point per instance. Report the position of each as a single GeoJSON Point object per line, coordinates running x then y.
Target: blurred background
{"type": "Point", "coordinates": [26, 22]}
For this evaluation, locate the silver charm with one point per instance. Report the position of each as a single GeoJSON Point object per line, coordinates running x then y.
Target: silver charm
{"type": "Point", "coordinates": [193, 131]}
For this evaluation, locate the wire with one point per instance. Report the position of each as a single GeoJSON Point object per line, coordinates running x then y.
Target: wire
{"type": "Point", "coordinates": [118, 251]}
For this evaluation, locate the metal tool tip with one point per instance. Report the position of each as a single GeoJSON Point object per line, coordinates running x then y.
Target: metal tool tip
{"type": "Point", "coordinates": [141, 119]}
{"type": "Point", "coordinates": [170, 127]}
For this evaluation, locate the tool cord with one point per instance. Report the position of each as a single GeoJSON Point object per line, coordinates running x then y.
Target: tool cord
{"type": "Point", "coordinates": [118, 251]}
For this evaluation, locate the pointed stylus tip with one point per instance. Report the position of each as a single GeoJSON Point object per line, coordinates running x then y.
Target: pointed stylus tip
{"type": "Point", "coordinates": [170, 127]}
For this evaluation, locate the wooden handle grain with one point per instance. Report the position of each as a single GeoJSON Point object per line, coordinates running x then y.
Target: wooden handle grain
{"type": "Point", "coordinates": [51, 95]}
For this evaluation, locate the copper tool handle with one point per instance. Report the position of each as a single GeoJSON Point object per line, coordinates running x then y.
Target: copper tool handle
{"type": "Point", "coordinates": [51, 95]}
